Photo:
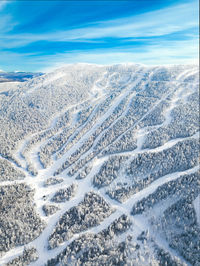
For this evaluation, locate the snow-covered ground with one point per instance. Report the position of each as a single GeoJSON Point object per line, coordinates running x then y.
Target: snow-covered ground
{"type": "Point", "coordinates": [196, 203]}
{"type": "Point", "coordinates": [102, 132]}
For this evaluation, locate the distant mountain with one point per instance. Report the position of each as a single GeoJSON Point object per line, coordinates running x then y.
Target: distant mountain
{"type": "Point", "coordinates": [99, 165]}
{"type": "Point", "coordinates": [17, 76]}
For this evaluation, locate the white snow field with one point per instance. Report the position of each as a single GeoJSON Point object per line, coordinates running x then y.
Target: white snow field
{"type": "Point", "coordinates": [99, 165]}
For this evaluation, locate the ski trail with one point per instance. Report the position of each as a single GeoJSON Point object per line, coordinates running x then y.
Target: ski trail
{"type": "Point", "coordinates": [43, 194]}
{"type": "Point", "coordinates": [196, 204]}
{"type": "Point", "coordinates": [61, 160]}
{"type": "Point", "coordinates": [14, 164]}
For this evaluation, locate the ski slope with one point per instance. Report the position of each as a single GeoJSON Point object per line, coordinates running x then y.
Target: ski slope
{"type": "Point", "coordinates": [109, 156]}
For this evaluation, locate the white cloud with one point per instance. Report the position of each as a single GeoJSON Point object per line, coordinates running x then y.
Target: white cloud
{"type": "Point", "coordinates": [181, 52]}
{"type": "Point", "coordinates": [2, 4]}
{"type": "Point", "coordinates": [176, 52]}
{"type": "Point", "coordinates": [150, 24]}
{"type": "Point", "coordinates": [156, 23]}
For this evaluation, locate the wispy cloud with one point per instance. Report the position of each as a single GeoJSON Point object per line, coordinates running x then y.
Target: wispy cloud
{"type": "Point", "coordinates": [183, 52]}
{"type": "Point", "coordinates": [156, 23]}
{"type": "Point", "coordinates": [169, 34]}
{"type": "Point", "coordinates": [180, 52]}
{"type": "Point", "coordinates": [3, 3]}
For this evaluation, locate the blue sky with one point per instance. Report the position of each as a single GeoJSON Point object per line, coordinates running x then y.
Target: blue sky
{"type": "Point", "coordinates": [43, 35]}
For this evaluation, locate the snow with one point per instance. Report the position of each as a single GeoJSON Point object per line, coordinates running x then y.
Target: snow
{"type": "Point", "coordinates": [196, 204]}
{"type": "Point", "coordinates": [95, 95]}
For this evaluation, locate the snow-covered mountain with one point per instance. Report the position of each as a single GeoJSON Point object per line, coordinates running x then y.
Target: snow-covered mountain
{"type": "Point", "coordinates": [99, 166]}
{"type": "Point", "coordinates": [17, 76]}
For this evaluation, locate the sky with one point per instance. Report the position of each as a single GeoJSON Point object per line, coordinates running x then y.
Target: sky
{"type": "Point", "coordinates": [44, 35]}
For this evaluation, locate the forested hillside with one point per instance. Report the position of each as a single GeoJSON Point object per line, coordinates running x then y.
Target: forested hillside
{"type": "Point", "coordinates": [99, 165]}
